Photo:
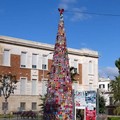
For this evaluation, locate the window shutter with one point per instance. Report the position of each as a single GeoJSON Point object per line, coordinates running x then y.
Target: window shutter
{"type": "Point", "coordinates": [44, 87]}
{"type": "Point", "coordinates": [39, 62]}
{"type": "Point", "coordinates": [34, 83]}
{"type": "Point", "coordinates": [90, 67]}
{"type": "Point", "coordinates": [23, 59]}
{"type": "Point", "coordinates": [34, 60]}
{"type": "Point", "coordinates": [6, 57]}
{"type": "Point", "coordinates": [71, 62]}
{"type": "Point", "coordinates": [22, 86]}
{"type": "Point", "coordinates": [76, 65]}
{"type": "Point", "coordinates": [44, 62]}
{"type": "Point", "coordinates": [1, 58]}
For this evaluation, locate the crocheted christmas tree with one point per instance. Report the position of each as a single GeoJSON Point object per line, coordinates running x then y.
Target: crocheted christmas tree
{"type": "Point", "coordinates": [59, 101]}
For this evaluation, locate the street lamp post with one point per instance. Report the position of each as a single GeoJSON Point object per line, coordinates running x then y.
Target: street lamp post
{"type": "Point", "coordinates": [0, 89]}
{"type": "Point", "coordinates": [97, 106]}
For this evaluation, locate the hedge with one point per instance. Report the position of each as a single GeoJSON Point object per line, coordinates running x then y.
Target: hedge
{"type": "Point", "coordinates": [113, 118]}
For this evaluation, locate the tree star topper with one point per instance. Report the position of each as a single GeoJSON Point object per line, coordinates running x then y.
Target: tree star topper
{"type": "Point", "coordinates": [61, 11]}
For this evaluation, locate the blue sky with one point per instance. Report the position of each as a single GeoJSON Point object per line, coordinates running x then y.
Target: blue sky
{"type": "Point", "coordinates": [37, 20]}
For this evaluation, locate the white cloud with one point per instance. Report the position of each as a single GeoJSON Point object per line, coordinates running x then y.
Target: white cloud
{"type": "Point", "coordinates": [110, 72]}
{"type": "Point", "coordinates": [63, 5]}
{"type": "Point", "coordinates": [83, 45]}
{"type": "Point", "coordinates": [66, 3]}
{"type": "Point", "coordinates": [78, 14]}
{"type": "Point", "coordinates": [69, 1]}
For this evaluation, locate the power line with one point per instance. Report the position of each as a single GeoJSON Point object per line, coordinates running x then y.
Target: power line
{"type": "Point", "coordinates": [94, 13]}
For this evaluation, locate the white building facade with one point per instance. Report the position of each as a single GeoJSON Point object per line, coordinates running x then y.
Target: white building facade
{"type": "Point", "coordinates": [104, 89]}
{"type": "Point", "coordinates": [31, 61]}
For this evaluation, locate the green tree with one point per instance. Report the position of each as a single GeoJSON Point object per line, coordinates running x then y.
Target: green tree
{"type": "Point", "coordinates": [7, 87]}
{"type": "Point", "coordinates": [117, 110]}
{"type": "Point", "coordinates": [117, 64]}
{"type": "Point", "coordinates": [101, 104]}
{"type": "Point", "coordinates": [115, 88]}
{"type": "Point", "coordinates": [42, 105]}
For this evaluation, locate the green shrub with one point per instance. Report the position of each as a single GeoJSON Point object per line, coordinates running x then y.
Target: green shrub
{"type": "Point", "coordinates": [113, 118]}
{"type": "Point", "coordinates": [6, 116]}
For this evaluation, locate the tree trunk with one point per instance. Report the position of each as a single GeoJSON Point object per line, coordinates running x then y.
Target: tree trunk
{"type": "Point", "coordinates": [5, 107]}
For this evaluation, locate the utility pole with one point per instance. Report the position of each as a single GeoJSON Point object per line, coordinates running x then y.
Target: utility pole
{"type": "Point", "coordinates": [97, 106]}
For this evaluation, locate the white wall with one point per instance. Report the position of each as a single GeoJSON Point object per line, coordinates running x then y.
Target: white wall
{"type": "Point", "coordinates": [105, 92]}
{"type": "Point", "coordinates": [84, 60]}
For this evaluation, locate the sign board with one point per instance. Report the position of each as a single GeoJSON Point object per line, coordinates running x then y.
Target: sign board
{"type": "Point", "coordinates": [90, 98]}
{"type": "Point", "coordinates": [86, 100]}
{"type": "Point", "coordinates": [90, 114]}
{"type": "Point", "coordinates": [80, 99]}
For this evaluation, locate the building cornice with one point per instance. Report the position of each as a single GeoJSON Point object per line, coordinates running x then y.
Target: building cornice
{"type": "Point", "coordinates": [44, 46]}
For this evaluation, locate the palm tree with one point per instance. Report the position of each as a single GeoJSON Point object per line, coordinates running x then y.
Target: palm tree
{"type": "Point", "coordinates": [117, 64]}
{"type": "Point", "coordinates": [115, 87]}
{"type": "Point", "coordinates": [42, 105]}
{"type": "Point", "coordinates": [101, 104]}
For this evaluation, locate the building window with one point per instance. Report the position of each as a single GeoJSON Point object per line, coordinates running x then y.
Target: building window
{"type": "Point", "coordinates": [90, 86]}
{"type": "Point", "coordinates": [34, 86]}
{"type": "Point", "coordinates": [74, 63]}
{"type": "Point", "coordinates": [34, 60]}
{"type": "Point", "coordinates": [23, 86]}
{"type": "Point", "coordinates": [6, 57]}
{"type": "Point", "coordinates": [44, 62]}
{"type": "Point", "coordinates": [111, 100]}
{"type": "Point", "coordinates": [75, 66]}
{"type": "Point", "coordinates": [23, 59]}
{"type": "Point", "coordinates": [108, 87]}
{"type": "Point", "coordinates": [101, 86]}
{"type": "Point", "coordinates": [22, 105]}
{"type": "Point", "coordinates": [4, 106]}
{"type": "Point", "coordinates": [34, 105]}
{"type": "Point", "coordinates": [90, 67]}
